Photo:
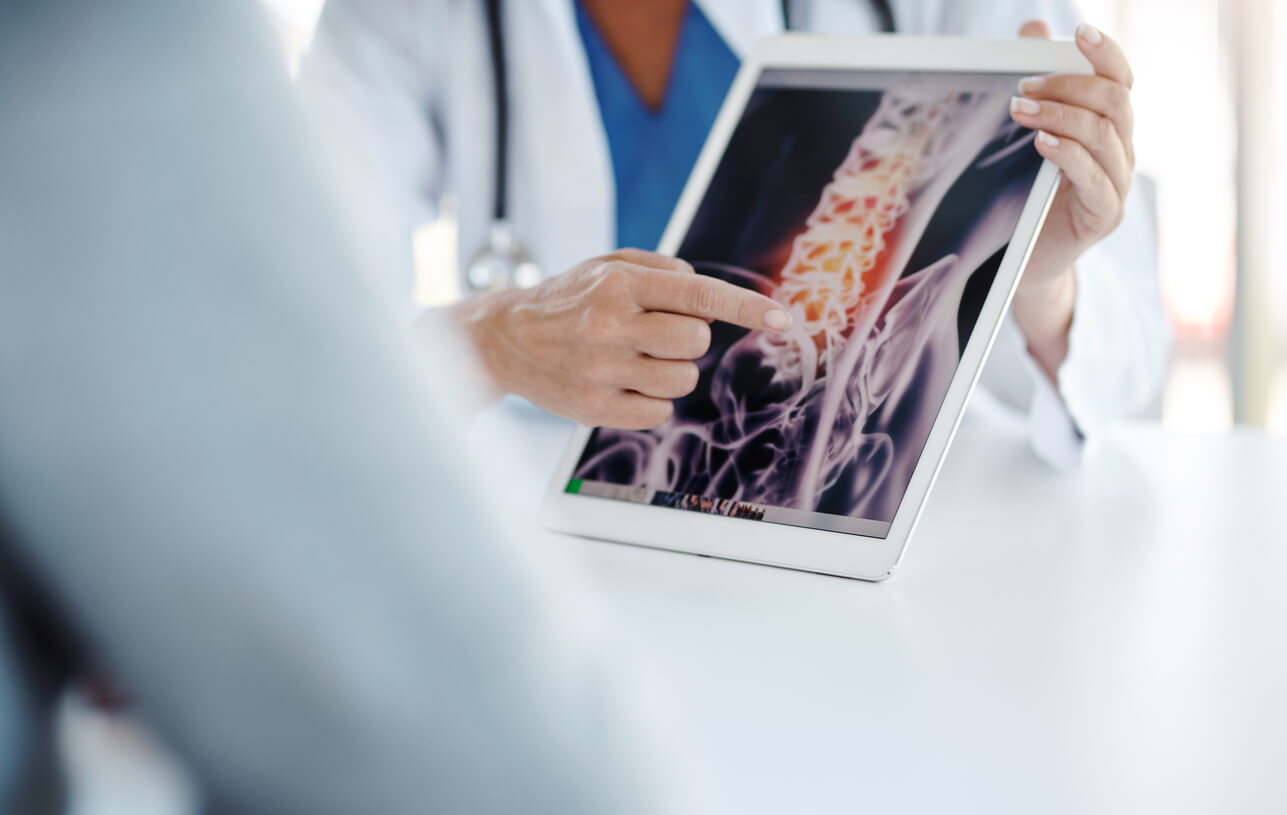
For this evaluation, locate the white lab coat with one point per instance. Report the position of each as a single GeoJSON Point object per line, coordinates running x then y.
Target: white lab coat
{"type": "Point", "coordinates": [406, 86]}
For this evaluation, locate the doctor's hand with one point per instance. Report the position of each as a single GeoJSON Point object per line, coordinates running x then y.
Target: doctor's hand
{"type": "Point", "coordinates": [612, 341]}
{"type": "Point", "coordinates": [1085, 125]}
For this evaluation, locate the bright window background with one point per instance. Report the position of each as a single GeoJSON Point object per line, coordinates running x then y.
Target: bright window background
{"type": "Point", "coordinates": [1278, 215]}
{"type": "Point", "coordinates": [1187, 145]}
{"type": "Point", "coordinates": [1185, 54]}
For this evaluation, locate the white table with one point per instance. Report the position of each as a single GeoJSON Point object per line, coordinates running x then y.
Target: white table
{"type": "Point", "coordinates": [1111, 639]}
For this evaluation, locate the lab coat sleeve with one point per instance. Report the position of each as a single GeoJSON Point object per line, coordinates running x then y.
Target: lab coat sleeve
{"type": "Point", "coordinates": [1118, 346]}
{"type": "Point", "coordinates": [372, 83]}
{"type": "Point", "coordinates": [1119, 341]}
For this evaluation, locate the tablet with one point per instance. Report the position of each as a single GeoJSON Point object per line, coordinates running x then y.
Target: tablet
{"type": "Point", "coordinates": [878, 189]}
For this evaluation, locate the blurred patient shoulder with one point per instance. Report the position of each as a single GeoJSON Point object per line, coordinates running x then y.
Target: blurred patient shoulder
{"type": "Point", "coordinates": [225, 466]}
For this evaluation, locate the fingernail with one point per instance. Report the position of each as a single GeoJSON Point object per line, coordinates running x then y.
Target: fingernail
{"type": "Point", "coordinates": [777, 319]}
{"type": "Point", "coordinates": [1090, 34]}
{"type": "Point", "coordinates": [1047, 139]}
{"type": "Point", "coordinates": [1020, 105]}
{"type": "Point", "coordinates": [1032, 84]}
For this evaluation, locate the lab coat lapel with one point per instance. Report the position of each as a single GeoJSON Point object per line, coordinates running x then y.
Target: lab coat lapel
{"type": "Point", "coordinates": [562, 186]}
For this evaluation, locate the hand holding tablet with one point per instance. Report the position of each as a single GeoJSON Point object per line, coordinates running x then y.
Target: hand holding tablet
{"type": "Point", "coordinates": [1086, 126]}
{"type": "Point", "coordinates": [880, 191]}
{"type": "Point", "coordinates": [611, 342]}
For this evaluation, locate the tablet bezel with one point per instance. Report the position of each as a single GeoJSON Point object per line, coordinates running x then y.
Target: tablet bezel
{"type": "Point", "coordinates": [837, 553]}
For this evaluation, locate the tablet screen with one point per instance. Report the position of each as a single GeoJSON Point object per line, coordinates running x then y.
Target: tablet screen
{"type": "Point", "coordinates": [877, 208]}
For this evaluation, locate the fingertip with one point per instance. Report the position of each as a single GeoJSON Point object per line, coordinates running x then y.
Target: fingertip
{"type": "Point", "coordinates": [1024, 106]}
{"type": "Point", "coordinates": [1047, 140]}
{"type": "Point", "coordinates": [1089, 35]}
{"type": "Point", "coordinates": [1032, 84]}
{"type": "Point", "coordinates": [777, 320]}
{"type": "Point", "coordinates": [1035, 29]}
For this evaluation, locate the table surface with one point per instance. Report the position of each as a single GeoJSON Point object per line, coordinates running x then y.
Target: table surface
{"type": "Point", "coordinates": [1109, 639]}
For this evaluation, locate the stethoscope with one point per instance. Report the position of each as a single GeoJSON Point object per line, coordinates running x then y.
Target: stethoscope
{"type": "Point", "coordinates": [502, 261]}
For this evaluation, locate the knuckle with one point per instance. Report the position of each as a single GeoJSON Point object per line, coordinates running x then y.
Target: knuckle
{"type": "Point", "coordinates": [1099, 176]}
{"type": "Point", "coordinates": [629, 254]}
{"type": "Point", "coordinates": [613, 277]}
{"type": "Point", "coordinates": [603, 269]}
{"type": "Point", "coordinates": [1104, 129]}
{"type": "Point", "coordinates": [1078, 155]}
{"type": "Point", "coordinates": [703, 299]}
{"type": "Point", "coordinates": [1119, 98]}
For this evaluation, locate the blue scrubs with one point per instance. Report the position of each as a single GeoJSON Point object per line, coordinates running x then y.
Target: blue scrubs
{"type": "Point", "coordinates": [654, 151]}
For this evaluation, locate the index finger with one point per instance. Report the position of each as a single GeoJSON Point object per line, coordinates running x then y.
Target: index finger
{"type": "Point", "coordinates": [709, 299]}
{"type": "Point", "coordinates": [1105, 55]}
{"type": "Point", "coordinates": [652, 260]}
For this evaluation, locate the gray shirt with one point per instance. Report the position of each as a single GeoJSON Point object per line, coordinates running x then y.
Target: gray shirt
{"type": "Point", "coordinates": [232, 475]}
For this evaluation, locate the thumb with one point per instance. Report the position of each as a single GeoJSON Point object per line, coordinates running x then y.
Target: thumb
{"type": "Point", "coordinates": [1035, 28]}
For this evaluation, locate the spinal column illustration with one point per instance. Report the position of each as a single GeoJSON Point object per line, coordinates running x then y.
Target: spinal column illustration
{"type": "Point", "coordinates": [842, 268]}
{"type": "Point", "coordinates": [838, 271]}
{"type": "Point", "coordinates": [799, 431]}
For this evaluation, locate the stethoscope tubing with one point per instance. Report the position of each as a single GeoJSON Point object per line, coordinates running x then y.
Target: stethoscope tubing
{"type": "Point", "coordinates": [501, 102]}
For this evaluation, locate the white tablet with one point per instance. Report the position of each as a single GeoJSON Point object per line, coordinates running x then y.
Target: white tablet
{"type": "Point", "coordinates": [878, 188]}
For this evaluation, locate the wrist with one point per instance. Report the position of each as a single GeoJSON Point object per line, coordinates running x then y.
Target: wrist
{"type": "Point", "coordinates": [1043, 310]}
{"type": "Point", "coordinates": [481, 320]}
{"type": "Point", "coordinates": [1037, 301]}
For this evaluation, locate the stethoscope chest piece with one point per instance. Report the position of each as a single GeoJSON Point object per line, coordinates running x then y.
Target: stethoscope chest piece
{"type": "Point", "coordinates": [501, 262]}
